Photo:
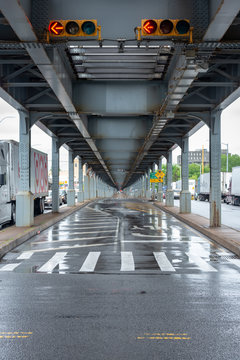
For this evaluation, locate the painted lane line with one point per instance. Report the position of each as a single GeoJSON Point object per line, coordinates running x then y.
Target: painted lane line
{"type": "Point", "coordinates": [9, 267]}
{"type": "Point", "coordinates": [74, 239]}
{"type": "Point", "coordinates": [90, 261]}
{"type": "Point", "coordinates": [84, 228]}
{"type": "Point", "coordinates": [25, 255]}
{"type": "Point", "coordinates": [202, 264]}
{"type": "Point", "coordinates": [163, 262]}
{"type": "Point", "coordinates": [90, 232]}
{"type": "Point", "coordinates": [53, 262]}
{"type": "Point", "coordinates": [77, 246]}
{"type": "Point", "coordinates": [235, 262]}
{"type": "Point", "coordinates": [127, 261]}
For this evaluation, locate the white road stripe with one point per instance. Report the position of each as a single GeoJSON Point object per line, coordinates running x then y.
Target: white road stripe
{"type": "Point", "coordinates": [84, 228]}
{"type": "Point", "coordinates": [235, 262]}
{"type": "Point", "coordinates": [90, 262]}
{"type": "Point", "coordinates": [89, 232]}
{"type": "Point", "coordinates": [74, 239]}
{"type": "Point", "coordinates": [72, 247]}
{"type": "Point", "coordinates": [53, 262]}
{"type": "Point", "coordinates": [127, 261]}
{"type": "Point", "coordinates": [201, 263]}
{"type": "Point", "coordinates": [25, 255]}
{"type": "Point", "coordinates": [163, 262]}
{"type": "Point", "coordinates": [9, 267]}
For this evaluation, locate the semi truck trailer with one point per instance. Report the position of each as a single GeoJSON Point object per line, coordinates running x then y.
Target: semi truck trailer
{"type": "Point", "coordinates": [10, 179]}
{"type": "Point", "coordinates": [233, 196]}
{"type": "Point", "coordinates": [203, 188]}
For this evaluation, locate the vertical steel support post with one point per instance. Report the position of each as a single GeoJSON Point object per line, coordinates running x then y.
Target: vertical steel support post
{"type": "Point", "coordinates": [160, 185]}
{"type": "Point", "coordinates": [24, 197]}
{"type": "Point", "coordinates": [185, 195]}
{"type": "Point", "coordinates": [169, 192]}
{"type": "Point", "coordinates": [86, 186]}
{"type": "Point", "coordinates": [148, 192]}
{"type": "Point", "coordinates": [215, 169]}
{"type": "Point", "coordinates": [80, 197]}
{"type": "Point", "coordinates": [71, 191]}
{"type": "Point", "coordinates": [55, 175]}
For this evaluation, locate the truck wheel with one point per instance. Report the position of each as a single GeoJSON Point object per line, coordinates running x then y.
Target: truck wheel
{"type": "Point", "coordinates": [13, 213]}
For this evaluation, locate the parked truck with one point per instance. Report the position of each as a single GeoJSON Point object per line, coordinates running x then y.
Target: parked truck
{"type": "Point", "coordinates": [233, 196]}
{"type": "Point", "coordinates": [10, 179]}
{"type": "Point", "coordinates": [178, 188]}
{"type": "Point", "coordinates": [203, 187]}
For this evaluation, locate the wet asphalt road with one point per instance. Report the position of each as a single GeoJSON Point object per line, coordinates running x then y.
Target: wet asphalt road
{"type": "Point", "coordinates": [120, 280]}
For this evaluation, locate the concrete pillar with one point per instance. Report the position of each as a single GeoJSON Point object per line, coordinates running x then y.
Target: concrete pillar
{"type": "Point", "coordinates": [71, 191]}
{"type": "Point", "coordinates": [215, 169]}
{"type": "Point", "coordinates": [160, 185]}
{"type": "Point", "coordinates": [55, 175]}
{"type": "Point", "coordinates": [169, 192]}
{"type": "Point", "coordinates": [148, 191]}
{"type": "Point", "coordinates": [80, 197]}
{"type": "Point", "coordinates": [24, 197]}
{"type": "Point", "coordinates": [185, 195]}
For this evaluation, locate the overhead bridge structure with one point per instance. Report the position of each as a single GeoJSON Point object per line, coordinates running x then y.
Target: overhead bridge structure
{"type": "Point", "coordinates": [120, 101]}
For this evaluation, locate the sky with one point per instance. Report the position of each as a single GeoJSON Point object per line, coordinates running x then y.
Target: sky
{"type": "Point", "coordinates": [230, 130]}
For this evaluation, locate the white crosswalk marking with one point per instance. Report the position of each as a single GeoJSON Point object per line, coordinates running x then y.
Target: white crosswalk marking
{"type": "Point", "coordinates": [163, 262]}
{"type": "Point", "coordinates": [204, 266]}
{"type": "Point", "coordinates": [127, 261]}
{"type": "Point", "coordinates": [25, 255]}
{"type": "Point", "coordinates": [53, 262]}
{"type": "Point", "coordinates": [9, 267]}
{"type": "Point", "coordinates": [90, 261]}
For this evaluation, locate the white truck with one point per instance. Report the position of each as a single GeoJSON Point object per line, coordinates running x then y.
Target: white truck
{"type": "Point", "coordinates": [10, 179]}
{"type": "Point", "coordinates": [203, 188]}
{"type": "Point", "coordinates": [233, 196]}
{"type": "Point", "coordinates": [178, 188]}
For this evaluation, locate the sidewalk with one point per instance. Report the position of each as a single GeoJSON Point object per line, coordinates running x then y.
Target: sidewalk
{"type": "Point", "coordinates": [13, 236]}
{"type": "Point", "coordinates": [224, 235]}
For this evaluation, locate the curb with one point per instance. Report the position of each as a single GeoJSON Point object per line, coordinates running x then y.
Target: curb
{"type": "Point", "coordinates": [229, 244]}
{"type": "Point", "coordinates": [10, 244]}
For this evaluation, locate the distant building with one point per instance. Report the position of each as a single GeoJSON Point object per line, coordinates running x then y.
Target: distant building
{"type": "Point", "coordinates": [195, 157]}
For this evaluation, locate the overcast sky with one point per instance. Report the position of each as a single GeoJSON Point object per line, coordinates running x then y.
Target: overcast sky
{"type": "Point", "coordinates": [9, 129]}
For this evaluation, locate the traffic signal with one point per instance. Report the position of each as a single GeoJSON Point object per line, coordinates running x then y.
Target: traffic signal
{"type": "Point", "coordinates": [59, 28]}
{"type": "Point", "coordinates": [165, 27]}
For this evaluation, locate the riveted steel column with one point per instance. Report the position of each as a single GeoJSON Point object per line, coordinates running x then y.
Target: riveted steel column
{"type": "Point", "coordinates": [86, 185]}
{"type": "Point", "coordinates": [185, 195]}
{"type": "Point", "coordinates": [24, 197]}
{"type": "Point", "coordinates": [148, 192]}
{"type": "Point", "coordinates": [71, 191]}
{"type": "Point", "coordinates": [160, 185]}
{"type": "Point", "coordinates": [169, 192]}
{"type": "Point", "coordinates": [80, 181]}
{"type": "Point", "coordinates": [55, 175]}
{"type": "Point", "coordinates": [215, 169]}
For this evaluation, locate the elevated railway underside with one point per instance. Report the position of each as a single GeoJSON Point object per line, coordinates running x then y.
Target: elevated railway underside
{"type": "Point", "coordinates": [120, 103]}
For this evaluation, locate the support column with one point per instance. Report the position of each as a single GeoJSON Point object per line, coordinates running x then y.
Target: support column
{"type": "Point", "coordinates": [169, 192]}
{"type": "Point", "coordinates": [80, 197]}
{"type": "Point", "coordinates": [86, 185]}
{"type": "Point", "coordinates": [55, 175]}
{"type": "Point", "coordinates": [215, 169]}
{"type": "Point", "coordinates": [160, 185]}
{"type": "Point", "coordinates": [148, 192]}
{"type": "Point", "coordinates": [24, 197]}
{"type": "Point", "coordinates": [185, 195]}
{"type": "Point", "coordinates": [71, 191]}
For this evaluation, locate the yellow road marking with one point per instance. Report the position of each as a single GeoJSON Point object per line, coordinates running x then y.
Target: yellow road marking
{"type": "Point", "coordinates": [164, 336]}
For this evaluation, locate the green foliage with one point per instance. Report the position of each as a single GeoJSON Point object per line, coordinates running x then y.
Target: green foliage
{"type": "Point", "coordinates": [233, 160]}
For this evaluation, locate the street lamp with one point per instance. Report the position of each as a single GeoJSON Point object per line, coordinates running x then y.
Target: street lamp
{"type": "Point", "coordinates": [6, 117]}
{"type": "Point", "coordinates": [227, 155]}
{"type": "Point", "coordinates": [200, 165]}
